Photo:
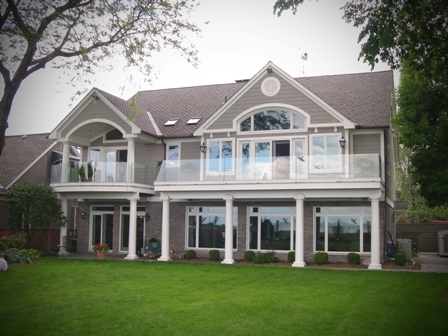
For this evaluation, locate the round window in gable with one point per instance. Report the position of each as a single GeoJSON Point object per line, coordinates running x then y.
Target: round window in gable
{"type": "Point", "coordinates": [270, 86]}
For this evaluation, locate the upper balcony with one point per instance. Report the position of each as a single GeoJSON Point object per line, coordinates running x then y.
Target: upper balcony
{"type": "Point", "coordinates": [312, 169]}
{"type": "Point", "coordinates": [103, 173]}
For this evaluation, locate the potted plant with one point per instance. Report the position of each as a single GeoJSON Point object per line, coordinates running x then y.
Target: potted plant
{"type": "Point", "coordinates": [80, 172]}
{"type": "Point", "coordinates": [100, 250]}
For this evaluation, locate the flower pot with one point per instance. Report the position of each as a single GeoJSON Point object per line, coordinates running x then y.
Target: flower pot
{"type": "Point", "coordinates": [101, 255]}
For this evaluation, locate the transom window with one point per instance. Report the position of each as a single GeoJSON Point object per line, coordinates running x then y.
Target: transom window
{"type": "Point", "coordinates": [207, 227]}
{"type": "Point", "coordinates": [342, 229]}
{"type": "Point", "coordinates": [114, 135]}
{"type": "Point", "coordinates": [271, 228]}
{"type": "Point", "coordinates": [272, 120]}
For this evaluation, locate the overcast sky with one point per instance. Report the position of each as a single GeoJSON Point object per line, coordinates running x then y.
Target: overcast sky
{"type": "Point", "coordinates": [241, 36]}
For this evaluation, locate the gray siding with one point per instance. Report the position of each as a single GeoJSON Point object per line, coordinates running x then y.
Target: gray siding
{"type": "Point", "coordinates": [367, 144]}
{"type": "Point", "coordinates": [190, 150]}
{"type": "Point", "coordinates": [97, 110]}
{"type": "Point", "coordinates": [287, 95]}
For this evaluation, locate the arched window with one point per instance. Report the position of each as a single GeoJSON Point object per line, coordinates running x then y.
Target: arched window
{"type": "Point", "coordinates": [272, 120]}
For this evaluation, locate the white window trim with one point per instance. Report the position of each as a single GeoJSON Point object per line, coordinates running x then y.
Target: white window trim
{"type": "Point", "coordinates": [173, 143]}
{"type": "Point", "coordinates": [326, 214]}
{"type": "Point", "coordinates": [273, 108]}
{"type": "Point", "coordinates": [207, 157]}
{"type": "Point", "coordinates": [113, 141]}
{"type": "Point", "coordinates": [311, 168]}
{"type": "Point", "coordinates": [270, 93]}
{"type": "Point", "coordinates": [98, 212]}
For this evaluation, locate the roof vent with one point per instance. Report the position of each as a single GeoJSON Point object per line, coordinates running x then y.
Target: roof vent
{"type": "Point", "coordinates": [171, 122]}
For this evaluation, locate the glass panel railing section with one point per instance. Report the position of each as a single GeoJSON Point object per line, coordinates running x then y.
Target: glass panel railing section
{"type": "Point", "coordinates": [103, 172]}
{"type": "Point", "coordinates": [328, 167]}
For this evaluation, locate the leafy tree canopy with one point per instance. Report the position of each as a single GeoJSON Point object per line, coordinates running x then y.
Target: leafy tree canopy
{"type": "Point", "coordinates": [422, 122]}
{"type": "Point", "coordinates": [81, 35]}
{"type": "Point", "coordinates": [33, 204]}
{"type": "Point", "coordinates": [397, 31]}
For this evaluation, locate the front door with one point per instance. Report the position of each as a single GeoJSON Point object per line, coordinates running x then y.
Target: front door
{"type": "Point", "coordinates": [102, 229]}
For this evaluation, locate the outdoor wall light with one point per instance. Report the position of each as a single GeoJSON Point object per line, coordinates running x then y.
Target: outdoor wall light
{"type": "Point", "coordinates": [342, 142]}
{"type": "Point", "coordinates": [147, 216]}
{"type": "Point", "coordinates": [83, 215]}
{"type": "Point", "coordinates": [269, 70]}
{"type": "Point", "coordinates": [203, 148]}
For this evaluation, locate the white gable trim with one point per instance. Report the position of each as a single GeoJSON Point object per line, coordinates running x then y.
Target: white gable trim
{"type": "Point", "coordinates": [344, 121]}
{"type": "Point", "coordinates": [56, 133]}
{"type": "Point", "coordinates": [30, 165]}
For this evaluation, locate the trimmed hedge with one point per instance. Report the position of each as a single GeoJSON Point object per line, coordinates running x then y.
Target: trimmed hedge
{"type": "Point", "coordinates": [354, 258]}
{"type": "Point", "coordinates": [266, 258]}
{"type": "Point", "coordinates": [321, 258]}
{"type": "Point", "coordinates": [249, 255]}
{"type": "Point", "coordinates": [213, 255]}
{"type": "Point", "coordinates": [400, 258]}
{"type": "Point", "coordinates": [291, 256]}
{"type": "Point", "coordinates": [190, 254]}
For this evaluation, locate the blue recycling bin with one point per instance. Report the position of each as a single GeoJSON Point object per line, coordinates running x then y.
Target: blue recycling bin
{"type": "Point", "coordinates": [390, 250]}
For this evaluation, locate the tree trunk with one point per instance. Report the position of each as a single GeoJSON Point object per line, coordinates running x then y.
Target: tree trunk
{"type": "Point", "coordinates": [5, 109]}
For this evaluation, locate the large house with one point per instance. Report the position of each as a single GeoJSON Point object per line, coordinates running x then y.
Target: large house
{"type": "Point", "coordinates": [273, 163]}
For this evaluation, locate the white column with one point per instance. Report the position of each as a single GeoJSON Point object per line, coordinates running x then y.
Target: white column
{"type": "Point", "coordinates": [299, 262]}
{"type": "Point", "coordinates": [65, 162]}
{"type": "Point", "coordinates": [375, 243]}
{"type": "Point", "coordinates": [63, 230]}
{"type": "Point", "coordinates": [131, 160]}
{"type": "Point", "coordinates": [228, 256]}
{"type": "Point", "coordinates": [165, 229]}
{"type": "Point", "coordinates": [132, 228]}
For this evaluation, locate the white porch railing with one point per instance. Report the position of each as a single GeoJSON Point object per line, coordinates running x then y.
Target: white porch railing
{"type": "Point", "coordinates": [330, 167]}
{"type": "Point", "coordinates": [103, 172]}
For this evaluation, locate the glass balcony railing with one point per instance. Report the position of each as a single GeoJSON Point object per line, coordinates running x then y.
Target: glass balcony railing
{"type": "Point", "coordinates": [103, 172]}
{"type": "Point", "coordinates": [324, 167]}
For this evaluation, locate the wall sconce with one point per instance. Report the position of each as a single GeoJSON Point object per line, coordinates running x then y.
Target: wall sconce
{"type": "Point", "coordinates": [83, 215]}
{"type": "Point", "coordinates": [342, 142]}
{"type": "Point", "coordinates": [269, 70]}
{"type": "Point", "coordinates": [147, 216]}
{"type": "Point", "coordinates": [203, 148]}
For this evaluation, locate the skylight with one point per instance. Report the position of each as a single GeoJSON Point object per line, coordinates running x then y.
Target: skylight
{"type": "Point", "coordinates": [171, 122]}
{"type": "Point", "coordinates": [193, 120]}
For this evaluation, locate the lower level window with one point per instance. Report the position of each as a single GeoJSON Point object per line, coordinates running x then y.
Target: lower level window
{"type": "Point", "coordinates": [207, 227]}
{"type": "Point", "coordinates": [271, 228]}
{"type": "Point", "coordinates": [342, 229]}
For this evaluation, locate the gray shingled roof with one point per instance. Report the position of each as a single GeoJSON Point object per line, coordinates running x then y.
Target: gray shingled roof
{"type": "Point", "coordinates": [363, 98]}
{"type": "Point", "coordinates": [19, 152]}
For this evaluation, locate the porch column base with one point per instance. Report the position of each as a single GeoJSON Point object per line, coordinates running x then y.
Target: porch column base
{"type": "Point", "coordinates": [375, 267]}
{"type": "Point", "coordinates": [164, 259]}
{"type": "Point", "coordinates": [298, 264]}
{"type": "Point", "coordinates": [131, 257]}
{"type": "Point", "coordinates": [228, 262]}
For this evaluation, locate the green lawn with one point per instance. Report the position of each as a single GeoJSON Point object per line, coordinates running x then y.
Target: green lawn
{"type": "Point", "coordinates": [88, 297]}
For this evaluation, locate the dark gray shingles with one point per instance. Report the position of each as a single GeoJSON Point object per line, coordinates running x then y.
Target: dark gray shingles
{"type": "Point", "coordinates": [19, 152]}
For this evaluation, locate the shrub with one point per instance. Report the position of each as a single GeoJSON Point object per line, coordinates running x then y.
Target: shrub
{"type": "Point", "coordinates": [190, 254]}
{"type": "Point", "coordinates": [213, 255]}
{"type": "Point", "coordinates": [321, 258]}
{"type": "Point", "coordinates": [400, 258]}
{"type": "Point", "coordinates": [265, 258]}
{"type": "Point", "coordinates": [291, 256]}
{"type": "Point", "coordinates": [249, 255]}
{"type": "Point", "coordinates": [35, 254]}
{"type": "Point", "coordinates": [354, 258]}
{"type": "Point", "coordinates": [12, 241]}
{"type": "Point", "coordinates": [16, 255]}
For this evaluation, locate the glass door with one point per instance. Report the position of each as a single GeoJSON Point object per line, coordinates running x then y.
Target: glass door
{"type": "Point", "coordinates": [116, 165]}
{"type": "Point", "coordinates": [102, 229]}
{"type": "Point", "coordinates": [299, 158]}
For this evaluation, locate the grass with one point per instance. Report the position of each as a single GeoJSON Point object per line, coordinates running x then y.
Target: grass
{"type": "Point", "coordinates": [86, 297]}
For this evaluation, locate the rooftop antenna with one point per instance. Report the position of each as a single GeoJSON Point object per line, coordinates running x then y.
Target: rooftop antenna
{"type": "Point", "coordinates": [304, 58]}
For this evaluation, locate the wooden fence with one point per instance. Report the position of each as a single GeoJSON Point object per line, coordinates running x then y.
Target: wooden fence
{"type": "Point", "coordinates": [39, 239]}
{"type": "Point", "coordinates": [423, 236]}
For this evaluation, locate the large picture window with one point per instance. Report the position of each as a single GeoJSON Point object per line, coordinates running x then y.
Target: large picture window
{"type": "Point", "coordinates": [207, 227]}
{"type": "Point", "coordinates": [342, 229]}
{"type": "Point", "coordinates": [325, 155]}
{"type": "Point", "coordinates": [271, 228]}
{"type": "Point", "coordinates": [220, 156]}
{"type": "Point", "coordinates": [272, 120]}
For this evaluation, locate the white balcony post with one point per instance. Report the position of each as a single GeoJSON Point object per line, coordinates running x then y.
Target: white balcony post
{"type": "Point", "coordinates": [63, 230]}
{"type": "Point", "coordinates": [228, 256]}
{"type": "Point", "coordinates": [299, 262]}
{"type": "Point", "coordinates": [131, 160]}
{"type": "Point", "coordinates": [375, 243]}
{"type": "Point", "coordinates": [65, 162]}
{"type": "Point", "coordinates": [165, 229]}
{"type": "Point", "coordinates": [132, 228]}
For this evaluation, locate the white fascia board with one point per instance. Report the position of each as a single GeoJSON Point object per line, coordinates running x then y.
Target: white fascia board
{"type": "Point", "coordinates": [30, 165]}
{"type": "Point", "coordinates": [56, 133]}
